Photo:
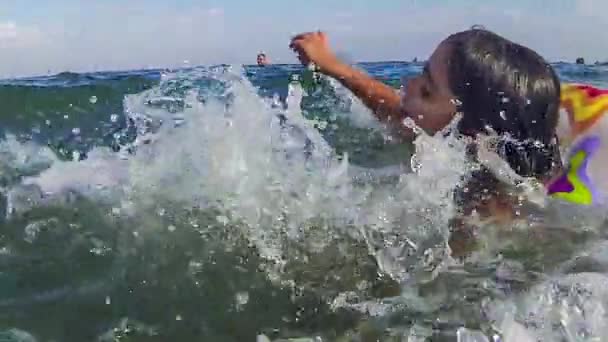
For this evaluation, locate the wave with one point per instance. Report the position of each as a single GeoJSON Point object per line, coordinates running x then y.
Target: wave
{"type": "Point", "coordinates": [201, 153]}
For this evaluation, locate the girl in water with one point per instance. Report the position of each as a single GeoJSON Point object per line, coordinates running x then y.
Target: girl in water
{"type": "Point", "coordinates": [496, 85]}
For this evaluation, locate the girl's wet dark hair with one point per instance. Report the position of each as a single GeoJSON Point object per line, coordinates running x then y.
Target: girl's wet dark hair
{"type": "Point", "coordinates": [511, 90]}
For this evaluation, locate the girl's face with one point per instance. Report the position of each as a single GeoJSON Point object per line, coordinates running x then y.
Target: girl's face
{"type": "Point", "coordinates": [427, 98]}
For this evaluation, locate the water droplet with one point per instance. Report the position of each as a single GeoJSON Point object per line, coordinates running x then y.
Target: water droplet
{"type": "Point", "coordinates": [47, 122]}
{"type": "Point", "coordinates": [66, 117]}
{"type": "Point", "coordinates": [114, 117]}
{"type": "Point", "coordinates": [76, 155]}
{"type": "Point", "coordinates": [171, 228]}
{"type": "Point", "coordinates": [222, 219]}
{"type": "Point", "coordinates": [32, 230]}
{"type": "Point", "coordinates": [409, 123]}
{"type": "Point", "coordinates": [108, 300]}
{"type": "Point", "coordinates": [505, 100]}
{"type": "Point", "coordinates": [262, 338]}
{"type": "Point", "coordinates": [76, 131]}
{"type": "Point", "coordinates": [503, 115]}
{"type": "Point", "coordinates": [456, 102]}
{"type": "Point", "coordinates": [241, 298]}
{"type": "Point", "coordinates": [93, 99]}
{"type": "Point", "coordinates": [322, 125]}
{"type": "Point", "coordinates": [178, 318]}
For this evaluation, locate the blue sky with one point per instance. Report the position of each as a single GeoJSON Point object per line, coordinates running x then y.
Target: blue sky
{"type": "Point", "coordinates": [37, 36]}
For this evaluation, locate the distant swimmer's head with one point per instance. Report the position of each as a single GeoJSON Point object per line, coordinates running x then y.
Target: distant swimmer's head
{"type": "Point", "coordinates": [498, 86]}
{"type": "Point", "coordinates": [262, 59]}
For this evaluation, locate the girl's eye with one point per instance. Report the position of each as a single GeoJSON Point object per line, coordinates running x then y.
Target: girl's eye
{"type": "Point", "coordinates": [424, 92]}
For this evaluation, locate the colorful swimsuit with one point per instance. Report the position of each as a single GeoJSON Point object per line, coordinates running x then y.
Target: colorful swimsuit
{"type": "Point", "coordinates": [584, 180]}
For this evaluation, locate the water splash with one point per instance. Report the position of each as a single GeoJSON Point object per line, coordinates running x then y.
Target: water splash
{"type": "Point", "coordinates": [221, 146]}
{"type": "Point", "coordinates": [207, 141]}
{"type": "Point", "coordinates": [284, 181]}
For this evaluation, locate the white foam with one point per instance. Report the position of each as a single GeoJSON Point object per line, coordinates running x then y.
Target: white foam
{"type": "Point", "coordinates": [102, 171]}
{"type": "Point", "coordinates": [238, 155]}
{"type": "Point", "coordinates": [227, 149]}
{"type": "Point", "coordinates": [358, 114]}
{"type": "Point", "coordinates": [230, 150]}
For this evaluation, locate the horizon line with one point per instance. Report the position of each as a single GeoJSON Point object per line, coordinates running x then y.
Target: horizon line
{"type": "Point", "coordinates": [172, 69]}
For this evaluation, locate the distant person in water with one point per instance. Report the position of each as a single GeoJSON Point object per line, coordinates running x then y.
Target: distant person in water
{"type": "Point", "coordinates": [580, 60]}
{"type": "Point", "coordinates": [471, 73]}
{"type": "Point", "coordinates": [262, 59]}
